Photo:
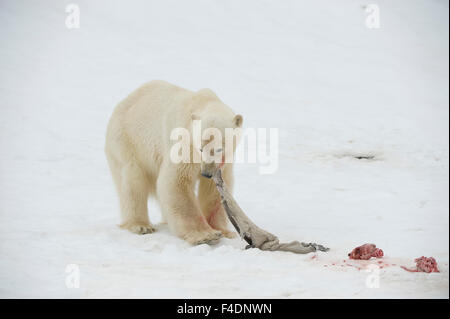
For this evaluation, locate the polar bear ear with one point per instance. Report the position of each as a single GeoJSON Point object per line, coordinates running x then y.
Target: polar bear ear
{"type": "Point", "coordinates": [238, 120]}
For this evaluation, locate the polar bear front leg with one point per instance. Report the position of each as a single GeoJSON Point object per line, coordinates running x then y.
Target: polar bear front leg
{"type": "Point", "coordinates": [211, 205]}
{"type": "Point", "coordinates": [181, 209]}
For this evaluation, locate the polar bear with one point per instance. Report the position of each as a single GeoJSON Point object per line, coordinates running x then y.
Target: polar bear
{"type": "Point", "coordinates": [138, 147]}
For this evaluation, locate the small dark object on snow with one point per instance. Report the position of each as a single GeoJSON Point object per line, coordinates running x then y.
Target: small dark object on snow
{"type": "Point", "coordinates": [365, 157]}
{"type": "Point", "coordinates": [252, 234]}
{"type": "Point", "coordinates": [365, 252]}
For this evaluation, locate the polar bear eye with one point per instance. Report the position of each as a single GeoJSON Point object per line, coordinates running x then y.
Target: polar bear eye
{"type": "Point", "coordinates": [201, 150]}
{"type": "Point", "coordinates": [219, 150]}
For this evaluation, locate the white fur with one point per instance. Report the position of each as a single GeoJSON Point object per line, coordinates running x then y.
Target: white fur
{"type": "Point", "coordinates": [138, 147]}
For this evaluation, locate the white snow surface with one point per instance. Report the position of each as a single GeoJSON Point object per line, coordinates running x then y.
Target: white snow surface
{"type": "Point", "coordinates": [334, 88]}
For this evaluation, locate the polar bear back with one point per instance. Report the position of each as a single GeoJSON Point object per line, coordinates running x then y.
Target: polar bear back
{"type": "Point", "coordinates": [141, 124]}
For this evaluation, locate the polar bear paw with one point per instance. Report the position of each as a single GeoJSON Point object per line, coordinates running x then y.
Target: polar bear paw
{"type": "Point", "coordinates": [228, 233]}
{"type": "Point", "coordinates": [207, 237]}
{"type": "Point", "coordinates": [142, 229]}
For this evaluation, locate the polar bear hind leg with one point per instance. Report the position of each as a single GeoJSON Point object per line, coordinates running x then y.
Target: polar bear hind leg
{"type": "Point", "coordinates": [132, 188]}
{"type": "Point", "coordinates": [133, 196]}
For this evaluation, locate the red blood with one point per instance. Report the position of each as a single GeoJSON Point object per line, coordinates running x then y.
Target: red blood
{"type": "Point", "coordinates": [424, 264]}
{"type": "Point", "coordinates": [365, 252]}
{"type": "Point", "coordinates": [350, 265]}
{"type": "Point", "coordinates": [213, 212]}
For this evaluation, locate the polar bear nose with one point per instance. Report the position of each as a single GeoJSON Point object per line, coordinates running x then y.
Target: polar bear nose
{"type": "Point", "coordinates": [207, 175]}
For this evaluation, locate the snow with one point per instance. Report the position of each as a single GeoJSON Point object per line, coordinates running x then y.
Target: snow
{"type": "Point", "coordinates": [334, 88]}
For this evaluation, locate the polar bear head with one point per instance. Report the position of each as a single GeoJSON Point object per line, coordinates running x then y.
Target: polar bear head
{"type": "Point", "coordinates": [220, 131]}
